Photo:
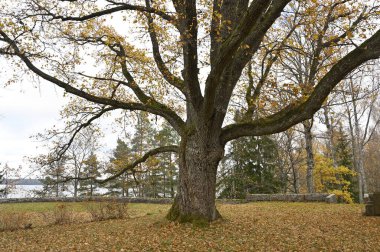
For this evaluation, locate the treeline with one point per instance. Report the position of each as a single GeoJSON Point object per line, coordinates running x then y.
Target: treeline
{"type": "Point", "coordinates": [337, 151]}
{"type": "Point", "coordinates": [79, 168]}
{"type": "Point", "coordinates": [334, 152]}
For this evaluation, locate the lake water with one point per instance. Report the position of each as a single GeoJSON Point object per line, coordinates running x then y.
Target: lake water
{"type": "Point", "coordinates": [28, 191]}
{"type": "Point", "coordinates": [23, 191]}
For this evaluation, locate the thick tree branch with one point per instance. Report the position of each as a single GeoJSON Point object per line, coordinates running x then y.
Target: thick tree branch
{"type": "Point", "coordinates": [169, 77]}
{"type": "Point", "coordinates": [188, 26]}
{"type": "Point", "coordinates": [150, 106]}
{"type": "Point", "coordinates": [128, 167]}
{"type": "Point", "coordinates": [296, 113]}
{"type": "Point", "coordinates": [215, 35]}
{"type": "Point", "coordinates": [251, 98]}
{"type": "Point", "coordinates": [120, 7]}
{"type": "Point", "coordinates": [131, 166]}
{"type": "Point", "coordinates": [239, 47]}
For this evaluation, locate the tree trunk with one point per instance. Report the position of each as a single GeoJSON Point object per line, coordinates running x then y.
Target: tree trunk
{"type": "Point", "coordinates": [296, 183]}
{"type": "Point", "coordinates": [330, 136]}
{"type": "Point", "coordinates": [57, 185]}
{"type": "Point", "coordinates": [122, 191]}
{"type": "Point", "coordinates": [75, 188]}
{"type": "Point", "coordinates": [355, 157]}
{"type": "Point", "coordinates": [357, 145]}
{"type": "Point", "coordinates": [91, 189]}
{"type": "Point", "coordinates": [198, 161]}
{"type": "Point", "coordinates": [126, 183]}
{"type": "Point", "coordinates": [171, 174]}
{"type": "Point", "coordinates": [309, 155]}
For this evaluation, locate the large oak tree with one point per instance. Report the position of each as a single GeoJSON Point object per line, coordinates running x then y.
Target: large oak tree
{"type": "Point", "coordinates": [182, 60]}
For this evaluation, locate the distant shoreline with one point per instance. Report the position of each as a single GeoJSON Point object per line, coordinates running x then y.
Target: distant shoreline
{"type": "Point", "coordinates": [22, 182]}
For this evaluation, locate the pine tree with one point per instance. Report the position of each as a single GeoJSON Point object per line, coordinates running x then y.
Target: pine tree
{"type": "Point", "coordinates": [54, 173]}
{"type": "Point", "coordinates": [168, 170]}
{"type": "Point", "coordinates": [343, 151]}
{"type": "Point", "coordinates": [2, 190]}
{"type": "Point", "coordinates": [121, 156]}
{"type": "Point", "coordinates": [143, 140]}
{"type": "Point", "coordinates": [252, 168]}
{"type": "Point", "coordinates": [344, 157]}
{"type": "Point", "coordinates": [91, 170]}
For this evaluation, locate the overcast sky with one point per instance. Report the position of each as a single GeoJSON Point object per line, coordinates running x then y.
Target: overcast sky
{"type": "Point", "coordinates": [26, 111]}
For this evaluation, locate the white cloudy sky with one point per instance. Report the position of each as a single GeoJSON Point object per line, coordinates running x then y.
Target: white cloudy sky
{"type": "Point", "coordinates": [25, 111]}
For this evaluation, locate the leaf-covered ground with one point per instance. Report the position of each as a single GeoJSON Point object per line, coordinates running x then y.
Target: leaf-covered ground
{"type": "Point", "coordinates": [246, 227]}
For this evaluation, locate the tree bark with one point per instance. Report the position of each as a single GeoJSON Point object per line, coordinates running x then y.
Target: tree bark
{"type": "Point", "coordinates": [198, 161]}
{"type": "Point", "coordinates": [330, 136]}
{"type": "Point", "coordinates": [309, 155]}
{"type": "Point", "coordinates": [357, 146]}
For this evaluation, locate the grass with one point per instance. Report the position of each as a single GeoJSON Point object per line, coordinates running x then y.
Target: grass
{"type": "Point", "coordinates": [135, 209]}
{"type": "Point", "coordinates": [266, 226]}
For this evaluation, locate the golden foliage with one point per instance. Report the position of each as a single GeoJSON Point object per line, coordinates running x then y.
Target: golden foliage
{"type": "Point", "coordinates": [328, 178]}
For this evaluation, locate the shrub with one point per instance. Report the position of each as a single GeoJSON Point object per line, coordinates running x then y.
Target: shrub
{"type": "Point", "coordinates": [343, 196]}
{"type": "Point", "coordinates": [107, 210]}
{"type": "Point", "coordinates": [13, 221]}
{"type": "Point", "coordinates": [62, 215]}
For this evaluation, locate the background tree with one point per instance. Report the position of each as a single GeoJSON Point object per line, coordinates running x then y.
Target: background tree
{"type": "Point", "coordinates": [143, 140]}
{"type": "Point", "coordinates": [343, 157]}
{"type": "Point", "coordinates": [188, 71]}
{"type": "Point", "coordinates": [54, 173]}
{"type": "Point", "coordinates": [330, 179]}
{"type": "Point", "coordinates": [290, 158]}
{"type": "Point", "coordinates": [360, 116]}
{"type": "Point", "coordinates": [78, 155]}
{"type": "Point", "coordinates": [120, 157]}
{"type": "Point", "coordinates": [2, 190]}
{"type": "Point", "coordinates": [167, 161]}
{"type": "Point", "coordinates": [251, 168]}
{"type": "Point", "coordinates": [371, 161]}
{"type": "Point", "coordinates": [9, 178]}
{"type": "Point", "coordinates": [91, 169]}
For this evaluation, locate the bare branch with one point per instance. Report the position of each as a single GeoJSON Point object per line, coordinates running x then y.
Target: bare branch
{"type": "Point", "coordinates": [61, 150]}
{"type": "Point", "coordinates": [299, 112]}
{"type": "Point", "coordinates": [188, 26]}
{"type": "Point", "coordinates": [129, 167]}
{"type": "Point", "coordinates": [241, 44]}
{"type": "Point", "coordinates": [169, 77]}
{"type": "Point", "coordinates": [120, 7]}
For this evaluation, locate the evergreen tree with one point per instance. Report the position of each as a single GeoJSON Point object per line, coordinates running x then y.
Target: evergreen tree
{"type": "Point", "coordinates": [54, 173]}
{"type": "Point", "coordinates": [91, 170]}
{"type": "Point", "coordinates": [2, 190]}
{"type": "Point", "coordinates": [168, 170]}
{"type": "Point", "coordinates": [251, 168]}
{"type": "Point", "coordinates": [143, 140]}
{"type": "Point", "coordinates": [344, 157]}
{"type": "Point", "coordinates": [121, 156]}
{"type": "Point", "coordinates": [343, 151]}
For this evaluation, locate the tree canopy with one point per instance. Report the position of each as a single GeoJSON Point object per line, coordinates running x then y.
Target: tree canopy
{"type": "Point", "coordinates": [192, 63]}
